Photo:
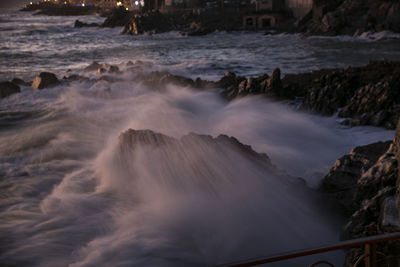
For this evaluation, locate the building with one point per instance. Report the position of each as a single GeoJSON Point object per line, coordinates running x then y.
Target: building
{"type": "Point", "coordinates": [299, 7]}
{"type": "Point", "coordinates": [270, 5]}
{"type": "Point", "coordinates": [259, 21]}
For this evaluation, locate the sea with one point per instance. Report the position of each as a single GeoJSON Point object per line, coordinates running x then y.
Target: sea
{"type": "Point", "coordinates": [66, 201]}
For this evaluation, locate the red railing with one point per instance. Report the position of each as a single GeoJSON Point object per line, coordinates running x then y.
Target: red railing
{"type": "Point", "coordinates": [369, 256]}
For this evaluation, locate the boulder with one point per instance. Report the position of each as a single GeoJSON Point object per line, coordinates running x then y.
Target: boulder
{"type": "Point", "coordinates": [44, 80]}
{"type": "Point", "coordinates": [80, 24]}
{"type": "Point", "coordinates": [119, 17]}
{"type": "Point", "coordinates": [191, 144]}
{"type": "Point", "coordinates": [341, 181]}
{"type": "Point", "coordinates": [8, 88]}
{"type": "Point", "coordinates": [20, 82]}
{"type": "Point", "coordinates": [92, 67]}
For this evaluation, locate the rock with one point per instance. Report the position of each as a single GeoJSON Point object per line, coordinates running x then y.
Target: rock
{"type": "Point", "coordinates": [20, 82]}
{"type": "Point", "coordinates": [367, 183]}
{"type": "Point", "coordinates": [92, 67]}
{"type": "Point", "coordinates": [150, 22]}
{"type": "Point", "coordinates": [338, 17]}
{"type": "Point", "coordinates": [376, 104]}
{"type": "Point", "coordinates": [191, 144]}
{"type": "Point", "coordinates": [341, 181]}
{"type": "Point", "coordinates": [119, 17]}
{"type": "Point", "coordinates": [274, 84]}
{"type": "Point", "coordinates": [158, 80]}
{"type": "Point", "coordinates": [44, 80]}
{"type": "Point", "coordinates": [80, 24]}
{"type": "Point", "coordinates": [8, 88]}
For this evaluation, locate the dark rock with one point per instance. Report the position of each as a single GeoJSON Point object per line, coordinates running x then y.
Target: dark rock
{"type": "Point", "coordinates": [367, 182]}
{"type": "Point", "coordinates": [80, 24]}
{"type": "Point", "coordinates": [20, 82]}
{"type": "Point", "coordinates": [150, 22]}
{"type": "Point", "coordinates": [341, 181]}
{"type": "Point", "coordinates": [92, 67]}
{"type": "Point", "coordinates": [158, 80]}
{"type": "Point", "coordinates": [45, 79]}
{"type": "Point", "coordinates": [8, 88]}
{"type": "Point", "coordinates": [338, 17]}
{"type": "Point", "coordinates": [119, 17]}
{"type": "Point", "coordinates": [376, 104]}
{"type": "Point", "coordinates": [191, 144]}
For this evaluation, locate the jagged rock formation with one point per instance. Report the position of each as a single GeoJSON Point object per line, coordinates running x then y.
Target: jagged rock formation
{"type": "Point", "coordinates": [119, 17]}
{"type": "Point", "coordinates": [189, 23]}
{"type": "Point", "coordinates": [44, 80]}
{"type": "Point", "coordinates": [369, 95]}
{"type": "Point", "coordinates": [367, 183]}
{"type": "Point", "coordinates": [80, 24]}
{"type": "Point", "coordinates": [338, 17]}
{"type": "Point", "coordinates": [8, 88]}
{"type": "Point", "coordinates": [341, 181]}
{"type": "Point", "coordinates": [199, 146]}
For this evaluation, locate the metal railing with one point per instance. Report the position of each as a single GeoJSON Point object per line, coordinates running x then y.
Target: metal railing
{"type": "Point", "coordinates": [369, 256]}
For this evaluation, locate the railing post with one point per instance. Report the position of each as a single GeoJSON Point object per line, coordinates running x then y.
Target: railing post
{"type": "Point", "coordinates": [373, 255]}
{"type": "Point", "coordinates": [370, 255]}
{"type": "Point", "coordinates": [367, 254]}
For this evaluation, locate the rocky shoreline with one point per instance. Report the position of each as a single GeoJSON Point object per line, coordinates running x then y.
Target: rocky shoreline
{"type": "Point", "coordinates": [367, 95]}
{"type": "Point", "coordinates": [351, 17]}
{"type": "Point", "coordinates": [365, 183]}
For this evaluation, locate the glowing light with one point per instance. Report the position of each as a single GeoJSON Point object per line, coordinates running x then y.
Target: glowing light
{"type": "Point", "coordinates": [127, 9]}
{"type": "Point", "coordinates": [30, 3]}
{"type": "Point", "coordinates": [83, 4]}
{"type": "Point", "coordinates": [119, 3]}
{"type": "Point", "coordinates": [136, 3]}
{"type": "Point", "coordinates": [141, 2]}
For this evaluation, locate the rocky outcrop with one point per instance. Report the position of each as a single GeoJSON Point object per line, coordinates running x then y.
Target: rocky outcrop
{"type": "Point", "coordinates": [190, 23]}
{"type": "Point", "coordinates": [20, 82]}
{"type": "Point", "coordinates": [158, 80]}
{"type": "Point", "coordinates": [150, 22]}
{"type": "Point", "coordinates": [367, 95]}
{"type": "Point", "coordinates": [240, 86]}
{"type": "Point", "coordinates": [196, 143]}
{"type": "Point", "coordinates": [44, 80]}
{"type": "Point", "coordinates": [366, 182]}
{"type": "Point", "coordinates": [119, 17]}
{"type": "Point", "coordinates": [350, 17]}
{"type": "Point", "coordinates": [102, 68]}
{"type": "Point", "coordinates": [375, 104]}
{"type": "Point", "coordinates": [80, 24]}
{"type": "Point", "coordinates": [341, 181]}
{"type": "Point", "coordinates": [8, 88]}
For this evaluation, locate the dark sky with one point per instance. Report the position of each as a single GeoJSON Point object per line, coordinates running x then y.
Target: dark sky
{"type": "Point", "coordinates": [12, 3]}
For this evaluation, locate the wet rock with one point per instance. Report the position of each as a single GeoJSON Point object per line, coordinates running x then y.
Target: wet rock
{"type": "Point", "coordinates": [367, 183]}
{"type": "Point", "coordinates": [44, 80]}
{"type": "Point", "coordinates": [80, 24]}
{"type": "Point", "coordinates": [338, 17]}
{"type": "Point", "coordinates": [158, 80]}
{"type": "Point", "coordinates": [376, 104]}
{"type": "Point", "coordinates": [92, 67]}
{"type": "Point", "coordinates": [150, 22]}
{"type": "Point", "coordinates": [341, 181]}
{"type": "Point", "coordinates": [20, 82]}
{"type": "Point", "coordinates": [119, 17]}
{"type": "Point", "coordinates": [8, 88]}
{"type": "Point", "coordinates": [195, 143]}
{"type": "Point", "coordinates": [274, 84]}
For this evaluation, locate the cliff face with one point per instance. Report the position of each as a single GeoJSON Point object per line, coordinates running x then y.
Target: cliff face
{"type": "Point", "coordinates": [349, 17]}
{"type": "Point", "coordinates": [367, 183]}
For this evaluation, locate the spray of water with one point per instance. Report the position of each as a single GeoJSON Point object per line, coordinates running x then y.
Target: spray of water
{"type": "Point", "coordinates": [76, 197]}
